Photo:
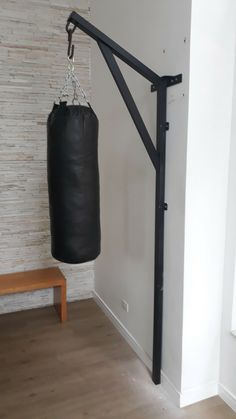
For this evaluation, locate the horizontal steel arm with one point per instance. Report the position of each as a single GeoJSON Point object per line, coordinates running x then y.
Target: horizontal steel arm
{"type": "Point", "coordinates": [116, 49]}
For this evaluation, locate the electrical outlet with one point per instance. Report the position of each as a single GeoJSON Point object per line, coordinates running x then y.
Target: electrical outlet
{"type": "Point", "coordinates": [125, 305]}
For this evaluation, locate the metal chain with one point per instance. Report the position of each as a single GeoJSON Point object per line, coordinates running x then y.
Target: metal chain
{"type": "Point", "coordinates": [72, 79]}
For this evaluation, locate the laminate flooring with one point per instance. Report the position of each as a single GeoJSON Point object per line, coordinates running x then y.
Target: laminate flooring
{"type": "Point", "coordinates": [81, 369]}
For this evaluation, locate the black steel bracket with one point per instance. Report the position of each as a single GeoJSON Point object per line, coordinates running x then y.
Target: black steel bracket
{"type": "Point", "coordinates": [165, 206]}
{"type": "Point", "coordinates": [109, 50]}
{"type": "Point", "coordinates": [170, 81]}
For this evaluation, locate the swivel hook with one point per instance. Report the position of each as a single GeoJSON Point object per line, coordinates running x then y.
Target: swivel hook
{"type": "Point", "coordinates": [71, 48]}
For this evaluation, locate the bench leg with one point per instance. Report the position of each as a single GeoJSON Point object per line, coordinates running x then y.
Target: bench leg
{"type": "Point", "coordinates": [60, 302]}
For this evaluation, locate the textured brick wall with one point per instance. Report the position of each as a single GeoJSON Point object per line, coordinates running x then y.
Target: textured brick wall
{"type": "Point", "coordinates": [33, 46]}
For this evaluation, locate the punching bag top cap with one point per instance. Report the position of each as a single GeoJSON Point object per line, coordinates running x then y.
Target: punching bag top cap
{"type": "Point", "coordinates": [73, 183]}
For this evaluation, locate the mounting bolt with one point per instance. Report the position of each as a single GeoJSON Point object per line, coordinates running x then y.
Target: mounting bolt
{"type": "Point", "coordinates": [164, 206]}
{"type": "Point", "coordinates": [153, 88]}
{"type": "Point", "coordinates": [167, 126]}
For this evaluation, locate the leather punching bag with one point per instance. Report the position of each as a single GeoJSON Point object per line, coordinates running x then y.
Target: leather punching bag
{"type": "Point", "coordinates": [73, 183]}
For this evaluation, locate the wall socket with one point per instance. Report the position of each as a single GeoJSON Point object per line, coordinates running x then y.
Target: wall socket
{"type": "Point", "coordinates": [125, 305]}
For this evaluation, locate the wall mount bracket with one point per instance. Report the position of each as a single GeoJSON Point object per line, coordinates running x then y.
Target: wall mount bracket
{"type": "Point", "coordinates": [109, 50]}
{"type": "Point", "coordinates": [170, 81]}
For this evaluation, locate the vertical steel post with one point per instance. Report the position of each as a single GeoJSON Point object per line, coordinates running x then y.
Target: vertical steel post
{"type": "Point", "coordinates": [160, 207]}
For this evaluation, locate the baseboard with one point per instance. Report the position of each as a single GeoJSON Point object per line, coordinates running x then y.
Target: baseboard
{"type": "Point", "coordinates": [228, 397]}
{"type": "Point", "coordinates": [186, 398]}
{"type": "Point", "coordinates": [123, 331]}
{"type": "Point", "coordinates": [189, 396]}
{"type": "Point", "coordinates": [169, 388]}
{"type": "Point", "coordinates": [196, 394]}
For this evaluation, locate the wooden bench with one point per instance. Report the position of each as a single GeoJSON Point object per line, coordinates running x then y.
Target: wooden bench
{"type": "Point", "coordinates": [36, 280]}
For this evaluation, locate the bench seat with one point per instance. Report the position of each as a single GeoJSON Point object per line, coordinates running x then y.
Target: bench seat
{"type": "Point", "coordinates": [36, 280]}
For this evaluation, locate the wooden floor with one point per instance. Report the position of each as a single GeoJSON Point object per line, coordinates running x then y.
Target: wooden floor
{"type": "Point", "coordinates": [80, 369]}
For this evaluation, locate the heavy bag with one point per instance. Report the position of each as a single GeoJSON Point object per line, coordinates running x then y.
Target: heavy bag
{"type": "Point", "coordinates": [73, 183]}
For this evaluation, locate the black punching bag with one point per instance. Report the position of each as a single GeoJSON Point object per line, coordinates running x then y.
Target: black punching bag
{"type": "Point", "coordinates": [73, 183]}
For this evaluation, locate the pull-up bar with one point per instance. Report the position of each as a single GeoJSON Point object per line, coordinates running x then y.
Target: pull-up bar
{"type": "Point", "coordinates": [109, 48]}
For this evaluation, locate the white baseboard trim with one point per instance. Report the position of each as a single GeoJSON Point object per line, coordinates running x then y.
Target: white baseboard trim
{"type": "Point", "coordinates": [123, 331]}
{"type": "Point", "coordinates": [228, 397]}
{"type": "Point", "coordinates": [189, 396]}
{"type": "Point", "coordinates": [196, 394]}
{"type": "Point", "coordinates": [169, 388]}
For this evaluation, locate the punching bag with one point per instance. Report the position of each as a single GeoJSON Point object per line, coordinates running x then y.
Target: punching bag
{"type": "Point", "coordinates": [73, 183]}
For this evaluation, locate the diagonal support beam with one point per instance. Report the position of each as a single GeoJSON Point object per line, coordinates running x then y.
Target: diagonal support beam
{"type": "Point", "coordinates": [130, 103]}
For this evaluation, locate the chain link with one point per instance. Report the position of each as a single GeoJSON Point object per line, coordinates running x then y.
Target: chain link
{"type": "Point", "coordinates": [72, 80]}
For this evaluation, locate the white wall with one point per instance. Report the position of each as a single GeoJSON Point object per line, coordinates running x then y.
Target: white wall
{"type": "Point", "coordinates": [228, 341]}
{"type": "Point", "coordinates": [210, 104]}
{"type": "Point", "coordinates": [157, 32]}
